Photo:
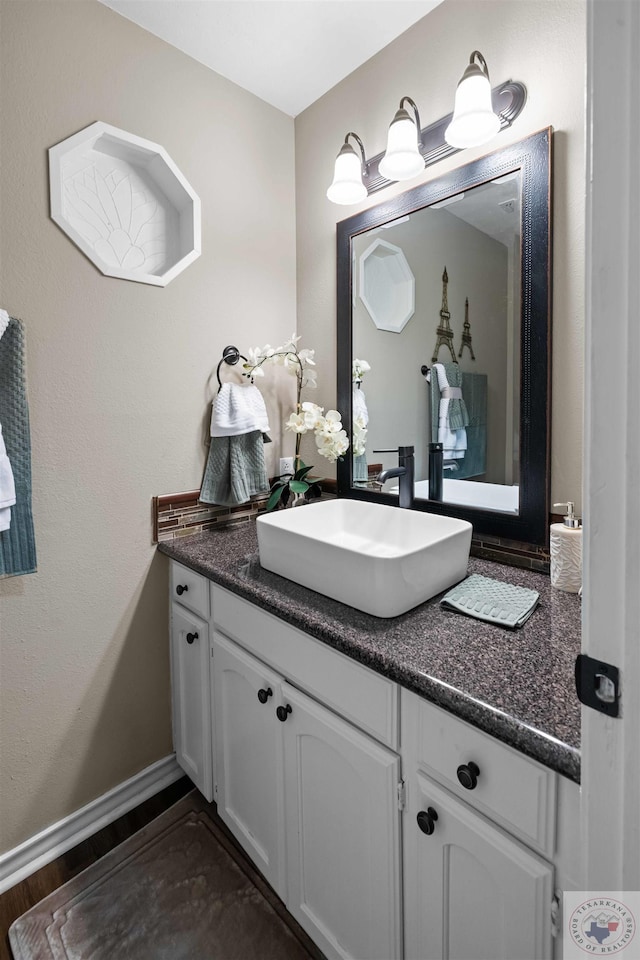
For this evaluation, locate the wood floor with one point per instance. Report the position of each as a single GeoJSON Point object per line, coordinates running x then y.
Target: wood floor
{"type": "Point", "coordinates": [24, 895]}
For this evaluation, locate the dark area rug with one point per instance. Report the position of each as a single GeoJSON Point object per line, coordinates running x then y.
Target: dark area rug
{"type": "Point", "coordinates": [172, 891]}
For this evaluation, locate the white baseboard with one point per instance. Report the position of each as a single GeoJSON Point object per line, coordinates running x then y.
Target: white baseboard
{"type": "Point", "coordinates": [56, 839]}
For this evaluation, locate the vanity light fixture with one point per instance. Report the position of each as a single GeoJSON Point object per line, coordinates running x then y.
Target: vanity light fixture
{"type": "Point", "coordinates": [479, 114]}
{"type": "Point", "coordinates": [350, 169]}
{"type": "Point", "coordinates": [474, 121]}
{"type": "Point", "coordinates": [403, 159]}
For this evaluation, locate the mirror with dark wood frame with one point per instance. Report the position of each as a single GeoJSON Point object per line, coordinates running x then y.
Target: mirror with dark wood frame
{"type": "Point", "coordinates": [455, 272]}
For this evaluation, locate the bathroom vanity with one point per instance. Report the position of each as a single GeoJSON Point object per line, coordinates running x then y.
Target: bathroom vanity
{"type": "Point", "coordinates": [409, 787]}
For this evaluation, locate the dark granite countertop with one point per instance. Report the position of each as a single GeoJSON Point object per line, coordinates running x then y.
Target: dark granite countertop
{"type": "Point", "coordinates": [515, 685]}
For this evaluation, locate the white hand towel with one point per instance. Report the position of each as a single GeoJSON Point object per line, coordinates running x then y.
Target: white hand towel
{"type": "Point", "coordinates": [237, 409]}
{"type": "Point", "coordinates": [4, 321]}
{"type": "Point", "coordinates": [7, 487]}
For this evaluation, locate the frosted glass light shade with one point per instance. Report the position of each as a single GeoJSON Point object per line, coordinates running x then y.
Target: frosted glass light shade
{"type": "Point", "coordinates": [474, 121]}
{"type": "Point", "coordinates": [402, 159]}
{"type": "Point", "coordinates": [347, 186]}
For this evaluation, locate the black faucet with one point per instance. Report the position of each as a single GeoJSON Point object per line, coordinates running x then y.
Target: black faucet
{"type": "Point", "coordinates": [405, 472]}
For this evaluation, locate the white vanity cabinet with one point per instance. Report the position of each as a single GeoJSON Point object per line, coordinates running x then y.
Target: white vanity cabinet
{"type": "Point", "coordinates": [472, 892]}
{"type": "Point", "coordinates": [311, 798]}
{"type": "Point", "coordinates": [342, 832]}
{"type": "Point", "coordinates": [473, 888]}
{"type": "Point", "coordinates": [249, 756]}
{"type": "Point", "coordinates": [389, 827]}
{"type": "Point", "coordinates": [190, 688]}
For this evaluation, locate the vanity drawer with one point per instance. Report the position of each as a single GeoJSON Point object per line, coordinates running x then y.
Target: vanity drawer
{"type": "Point", "coordinates": [514, 791]}
{"type": "Point", "coordinates": [190, 589]}
{"type": "Point", "coordinates": [365, 698]}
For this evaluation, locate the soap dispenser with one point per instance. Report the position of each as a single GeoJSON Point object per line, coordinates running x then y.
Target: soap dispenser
{"type": "Point", "coordinates": [566, 551]}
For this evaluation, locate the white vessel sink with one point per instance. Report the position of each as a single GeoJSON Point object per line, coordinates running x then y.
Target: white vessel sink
{"type": "Point", "coordinates": [380, 559]}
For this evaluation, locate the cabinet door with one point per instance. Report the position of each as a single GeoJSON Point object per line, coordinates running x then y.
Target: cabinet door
{"type": "Point", "coordinates": [342, 833]}
{"type": "Point", "coordinates": [471, 891]}
{"type": "Point", "coordinates": [248, 740]}
{"type": "Point", "coordinates": [191, 698]}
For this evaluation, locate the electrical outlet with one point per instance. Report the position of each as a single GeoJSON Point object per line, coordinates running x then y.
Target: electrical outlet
{"type": "Point", "coordinates": [286, 465]}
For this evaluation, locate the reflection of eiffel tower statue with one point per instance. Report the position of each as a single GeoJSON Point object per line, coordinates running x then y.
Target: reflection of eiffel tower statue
{"type": "Point", "coordinates": [466, 334]}
{"type": "Point", "coordinates": [444, 331]}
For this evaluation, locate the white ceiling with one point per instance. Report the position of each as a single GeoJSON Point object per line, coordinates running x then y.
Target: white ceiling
{"type": "Point", "coordinates": [287, 52]}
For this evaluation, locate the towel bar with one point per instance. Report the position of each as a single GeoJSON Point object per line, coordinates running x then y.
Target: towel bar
{"type": "Point", "coordinates": [230, 355]}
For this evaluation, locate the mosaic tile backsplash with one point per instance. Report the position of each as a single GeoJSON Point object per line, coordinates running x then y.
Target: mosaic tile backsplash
{"type": "Point", "coordinates": [177, 515]}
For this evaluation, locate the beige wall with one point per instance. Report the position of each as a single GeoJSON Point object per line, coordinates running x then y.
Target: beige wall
{"type": "Point", "coordinates": [118, 387]}
{"type": "Point", "coordinates": [541, 43]}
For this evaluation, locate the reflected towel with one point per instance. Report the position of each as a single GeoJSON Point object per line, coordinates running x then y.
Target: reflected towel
{"type": "Point", "coordinates": [360, 405]}
{"type": "Point", "coordinates": [360, 422]}
{"type": "Point", "coordinates": [235, 470]}
{"type": "Point", "coordinates": [449, 412]}
{"type": "Point", "coordinates": [474, 386]}
{"type": "Point", "coordinates": [450, 375]}
{"type": "Point", "coordinates": [492, 600]}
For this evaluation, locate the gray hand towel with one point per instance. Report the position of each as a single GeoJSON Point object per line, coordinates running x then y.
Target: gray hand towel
{"type": "Point", "coordinates": [17, 544]}
{"type": "Point", "coordinates": [492, 600]}
{"type": "Point", "coordinates": [235, 470]}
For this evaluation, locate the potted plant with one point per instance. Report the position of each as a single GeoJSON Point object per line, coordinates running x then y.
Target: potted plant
{"type": "Point", "coordinates": [330, 437]}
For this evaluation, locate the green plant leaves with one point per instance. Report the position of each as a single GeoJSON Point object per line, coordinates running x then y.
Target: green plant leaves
{"type": "Point", "coordinates": [298, 486]}
{"type": "Point", "coordinates": [277, 491]}
{"type": "Point", "coordinates": [301, 473]}
{"type": "Point", "coordinates": [282, 489]}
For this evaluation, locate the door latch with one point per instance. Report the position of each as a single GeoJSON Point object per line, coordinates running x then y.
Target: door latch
{"type": "Point", "coordinates": [598, 685]}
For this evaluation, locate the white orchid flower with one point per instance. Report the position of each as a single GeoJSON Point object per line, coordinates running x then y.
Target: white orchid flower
{"type": "Point", "coordinates": [291, 363]}
{"type": "Point", "coordinates": [333, 446]}
{"type": "Point", "coordinates": [291, 343]}
{"type": "Point", "coordinates": [310, 379]}
{"type": "Point", "coordinates": [312, 414]}
{"type": "Point", "coordinates": [296, 423]}
{"type": "Point", "coordinates": [306, 357]}
{"type": "Point", "coordinates": [330, 424]}
{"type": "Point", "coordinates": [359, 438]}
{"type": "Point", "coordinates": [358, 369]}
{"type": "Point", "coordinates": [254, 356]}
{"type": "Point", "coordinates": [331, 438]}
{"type": "Point", "coordinates": [334, 418]}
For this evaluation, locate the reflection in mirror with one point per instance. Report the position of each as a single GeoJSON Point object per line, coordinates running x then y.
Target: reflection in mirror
{"type": "Point", "coordinates": [453, 266]}
{"type": "Point", "coordinates": [444, 295]}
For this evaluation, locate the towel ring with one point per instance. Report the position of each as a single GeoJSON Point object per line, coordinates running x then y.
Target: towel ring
{"type": "Point", "coordinates": [230, 355]}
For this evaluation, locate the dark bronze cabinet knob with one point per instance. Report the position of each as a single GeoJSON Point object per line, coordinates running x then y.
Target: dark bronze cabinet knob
{"type": "Point", "coordinates": [191, 637]}
{"type": "Point", "coordinates": [427, 820]}
{"type": "Point", "coordinates": [468, 774]}
{"type": "Point", "coordinates": [181, 588]}
{"type": "Point", "coordinates": [283, 712]}
{"type": "Point", "coordinates": [263, 695]}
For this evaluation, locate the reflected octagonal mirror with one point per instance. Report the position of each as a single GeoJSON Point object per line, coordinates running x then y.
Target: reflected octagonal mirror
{"type": "Point", "coordinates": [387, 286]}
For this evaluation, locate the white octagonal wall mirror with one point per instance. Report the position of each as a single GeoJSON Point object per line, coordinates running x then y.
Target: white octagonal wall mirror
{"type": "Point", "coordinates": [125, 204]}
{"type": "Point", "coordinates": [387, 286]}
